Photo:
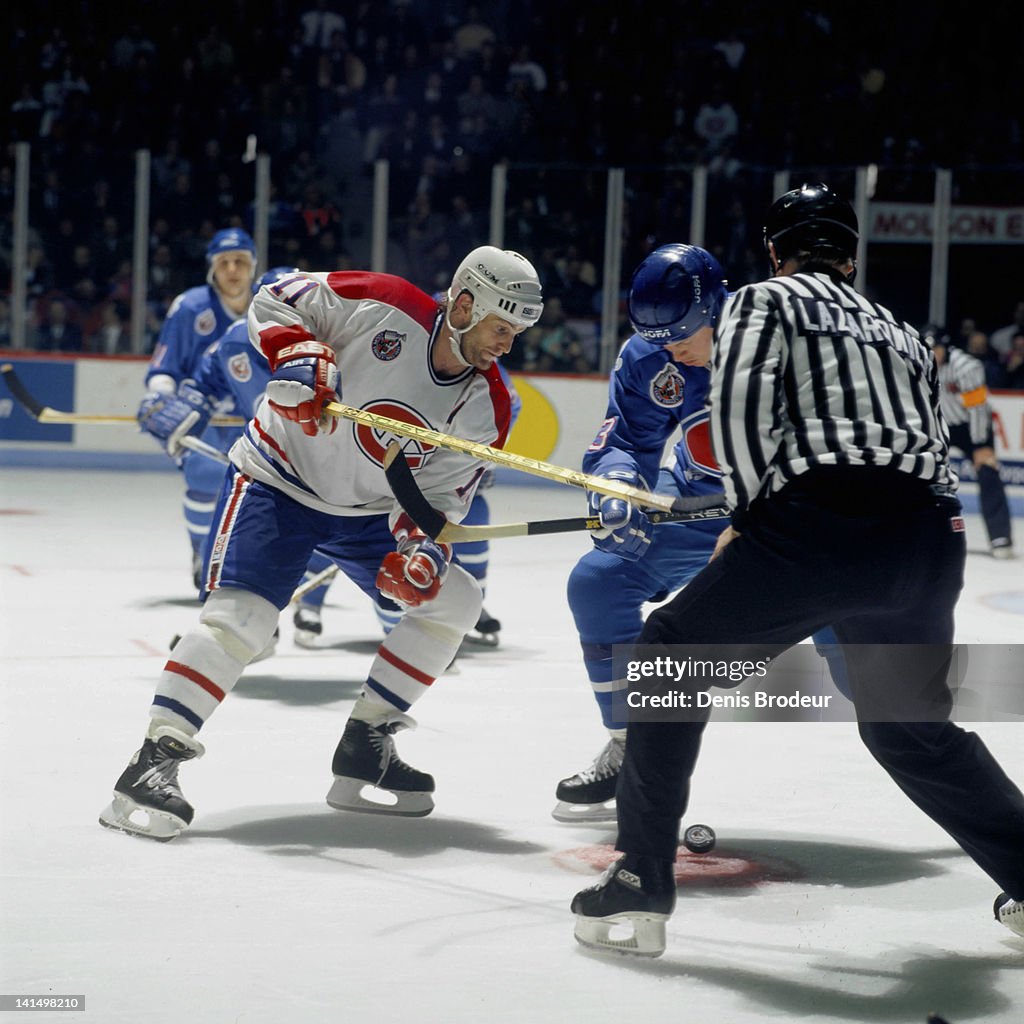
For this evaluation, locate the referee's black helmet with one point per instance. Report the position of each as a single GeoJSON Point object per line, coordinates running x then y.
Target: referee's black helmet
{"type": "Point", "coordinates": [811, 219]}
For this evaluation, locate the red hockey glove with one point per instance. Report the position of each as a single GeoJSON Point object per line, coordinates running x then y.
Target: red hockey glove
{"type": "Point", "coordinates": [305, 379]}
{"type": "Point", "coordinates": [414, 573]}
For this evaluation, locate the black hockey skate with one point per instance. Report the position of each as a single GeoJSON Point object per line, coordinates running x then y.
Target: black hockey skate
{"type": "Point", "coordinates": [147, 800]}
{"type": "Point", "coordinates": [589, 796]}
{"type": "Point", "coordinates": [485, 632]}
{"type": "Point", "coordinates": [308, 625]}
{"type": "Point", "coordinates": [1010, 912]}
{"type": "Point", "coordinates": [366, 757]}
{"type": "Point", "coordinates": [635, 893]}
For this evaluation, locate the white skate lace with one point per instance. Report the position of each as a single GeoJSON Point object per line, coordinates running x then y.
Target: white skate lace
{"type": "Point", "coordinates": [163, 773]}
{"type": "Point", "coordinates": [606, 764]}
{"type": "Point", "coordinates": [384, 744]}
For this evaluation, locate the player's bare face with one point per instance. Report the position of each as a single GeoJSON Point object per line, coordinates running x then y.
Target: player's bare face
{"type": "Point", "coordinates": [233, 273]}
{"type": "Point", "coordinates": [489, 340]}
{"type": "Point", "coordinates": [694, 350]}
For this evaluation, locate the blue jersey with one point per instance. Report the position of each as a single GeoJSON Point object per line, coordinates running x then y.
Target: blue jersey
{"type": "Point", "coordinates": [196, 318]}
{"type": "Point", "coordinates": [650, 397]}
{"type": "Point", "coordinates": [233, 368]}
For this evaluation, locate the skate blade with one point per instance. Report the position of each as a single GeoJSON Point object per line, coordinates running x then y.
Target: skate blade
{"type": "Point", "coordinates": [585, 814]}
{"type": "Point", "coordinates": [644, 933]}
{"type": "Point", "coordinates": [481, 639]}
{"type": "Point", "coordinates": [303, 638]}
{"type": "Point", "coordinates": [355, 795]}
{"type": "Point", "coordinates": [125, 815]}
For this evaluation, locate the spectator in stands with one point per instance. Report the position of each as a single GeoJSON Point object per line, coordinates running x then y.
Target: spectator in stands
{"type": "Point", "coordinates": [57, 332]}
{"type": "Point", "coordinates": [112, 337]}
{"type": "Point", "coordinates": [976, 343]}
{"type": "Point", "coordinates": [716, 123]}
{"type": "Point", "coordinates": [1001, 340]}
{"type": "Point", "coordinates": [471, 36]}
{"type": "Point", "coordinates": [319, 24]}
{"type": "Point", "coordinates": [555, 345]}
{"type": "Point", "coordinates": [580, 287]}
{"type": "Point", "coordinates": [168, 165]}
{"type": "Point", "coordinates": [525, 69]}
{"type": "Point", "coordinates": [1014, 368]}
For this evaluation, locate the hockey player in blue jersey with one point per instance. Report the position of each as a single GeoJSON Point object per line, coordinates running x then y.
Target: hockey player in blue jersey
{"type": "Point", "coordinates": [196, 318]}
{"type": "Point", "coordinates": [659, 386]}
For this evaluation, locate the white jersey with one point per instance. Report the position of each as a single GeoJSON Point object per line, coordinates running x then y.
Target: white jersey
{"type": "Point", "coordinates": [964, 394]}
{"type": "Point", "coordinates": [383, 331]}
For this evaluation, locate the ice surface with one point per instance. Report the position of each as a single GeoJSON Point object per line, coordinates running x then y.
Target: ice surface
{"type": "Point", "coordinates": [273, 908]}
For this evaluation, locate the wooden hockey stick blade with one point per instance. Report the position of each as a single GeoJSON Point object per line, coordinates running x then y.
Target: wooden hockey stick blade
{"type": "Point", "coordinates": [322, 577]}
{"type": "Point", "coordinates": [44, 414]}
{"type": "Point", "coordinates": [202, 448]}
{"type": "Point", "coordinates": [436, 525]}
{"type": "Point", "coordinates": [547, 470]}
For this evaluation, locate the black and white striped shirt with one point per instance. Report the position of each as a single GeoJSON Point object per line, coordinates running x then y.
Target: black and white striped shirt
{"type": "Point", "coordinates": [809, 373]}
{"type": "Point", "coordinates": [963, 394]}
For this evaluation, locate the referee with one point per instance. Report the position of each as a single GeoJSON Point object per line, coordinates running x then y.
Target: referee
{"type": "Point", "coordinates": [825, 420]}
{"type": "Point", "coordinates": [963, 399]}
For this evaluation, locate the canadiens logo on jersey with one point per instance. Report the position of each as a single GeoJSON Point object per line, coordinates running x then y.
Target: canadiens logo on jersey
{"type": "Point", "coordinates": [205, 323]}
{"type": "Point", "coordinates": [373, 443]}
{"type": "Point", "coordinates": [697, 444]}
{"type": "Point", "coordinates": [667, 388]}
{"type": "Point", "coordinates": [240, 368]}
{"type": "Point", "coordinates": [386, 345]}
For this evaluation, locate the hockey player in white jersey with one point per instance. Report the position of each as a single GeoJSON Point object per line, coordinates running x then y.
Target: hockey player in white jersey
{"type": "Point", "coordinates": [302, 478]}
{"type": "Point", "coordinates": [963, 398]}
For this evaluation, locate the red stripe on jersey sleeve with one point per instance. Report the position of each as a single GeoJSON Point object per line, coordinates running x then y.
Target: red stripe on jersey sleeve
{"type": "Point", "coordinates": [386, 288]}
{"type": "Point", "coordinates": [501, 402]}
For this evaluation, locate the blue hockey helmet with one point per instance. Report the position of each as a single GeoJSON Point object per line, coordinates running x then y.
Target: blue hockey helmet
{"type": "Point", "coordinates": [272, 276]}
{"type": "Point", "coordinates": [675, 291]}
{"type": "Point", "coordinates": [230, 240]}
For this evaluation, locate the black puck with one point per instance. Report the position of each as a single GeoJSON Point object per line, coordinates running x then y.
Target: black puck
{"type": "Point", "coordinates": [699, 839]}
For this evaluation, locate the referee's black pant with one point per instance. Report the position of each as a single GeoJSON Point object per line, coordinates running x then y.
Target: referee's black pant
{"type": "Point", "coordinates": [879, 556]}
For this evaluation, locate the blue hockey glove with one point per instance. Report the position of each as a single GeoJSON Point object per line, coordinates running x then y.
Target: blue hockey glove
{"type": "Point", "coordinates": [625, 530]}
{"type": "Point", "coordinates": [169, 418]}
{"type": "Point", "coordinates": [305, 379]}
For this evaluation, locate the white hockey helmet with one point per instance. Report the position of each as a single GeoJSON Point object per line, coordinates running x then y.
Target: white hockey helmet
{"type": "Point", "coordinates": [501, 282]}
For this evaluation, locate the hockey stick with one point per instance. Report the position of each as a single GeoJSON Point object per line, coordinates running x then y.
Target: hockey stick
{"type": "Point", "coordinates": [322, 577]}
{"type": "Point", "coordinates": [436, 525]}
{"type": "Point", "coordinates": [44, 414]}
{"type": "Point", "coordinates": [547, 470]}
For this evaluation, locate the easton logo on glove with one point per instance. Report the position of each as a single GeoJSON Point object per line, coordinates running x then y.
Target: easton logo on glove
{"type": "Point", "coordinates": [305, 379]}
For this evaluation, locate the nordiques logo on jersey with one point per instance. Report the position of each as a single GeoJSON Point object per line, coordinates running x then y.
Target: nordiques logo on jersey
{"type": "Point", "coordinates": [373, 442]}
{"type": "Point", "coordinates": [240, 368]}
{"type": "Point", "coordinates": [205, 323]}
{"type": "Point", "coordinates": [667, 388]}
{"type": "Point", "coordinates": [386, 345]}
